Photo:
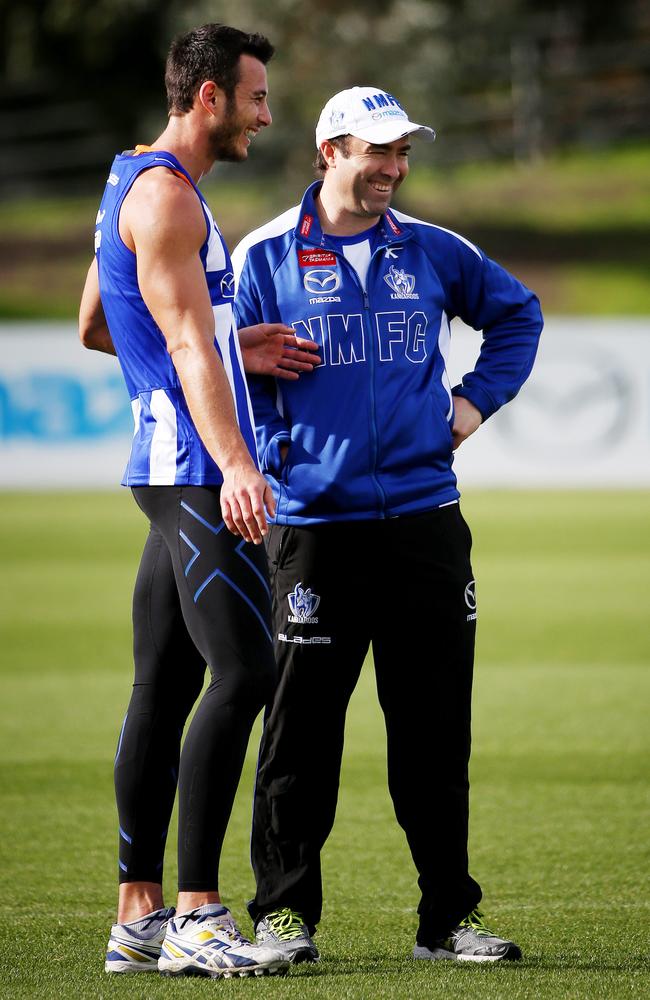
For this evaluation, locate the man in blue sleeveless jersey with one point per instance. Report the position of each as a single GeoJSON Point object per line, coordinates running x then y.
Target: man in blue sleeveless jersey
{"type": "Point", "coordinates": [369, 544]}
{"type": "Point", "coordinates": [160, 295]}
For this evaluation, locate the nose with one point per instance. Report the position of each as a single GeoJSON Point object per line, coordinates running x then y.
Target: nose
{"type": "Point", "coordinates": [392, 167]}
{"type": "Point", "coordinates": [264, 114]}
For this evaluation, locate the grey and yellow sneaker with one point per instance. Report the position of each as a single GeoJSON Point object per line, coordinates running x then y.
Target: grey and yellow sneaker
{"type": "Point", "coordinates": [135, 947]}
{"type": "Point", "coordinates": [470, 941]}
{"type": "Point", "coordinates": [286, 931]}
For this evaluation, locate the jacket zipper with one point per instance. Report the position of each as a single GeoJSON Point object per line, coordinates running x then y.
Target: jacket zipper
{"type": "Point", "coordinates": [368, 328]}
{"type": "Point", "coordinates": [373, 401]}
{"type": "Point", "coordinates": [374, 442]}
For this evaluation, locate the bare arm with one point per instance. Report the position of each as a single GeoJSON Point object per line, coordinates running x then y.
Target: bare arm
{"type": "Point", "coordinates": [162, 219]}
{"type": "Point", "coordinates": [93, 330]}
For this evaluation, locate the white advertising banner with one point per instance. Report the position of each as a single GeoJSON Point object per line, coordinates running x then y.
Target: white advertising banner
{"type": "Point", "coordinates": [582, 419]}
{"type": "Point", "coordinates": [65, 418]}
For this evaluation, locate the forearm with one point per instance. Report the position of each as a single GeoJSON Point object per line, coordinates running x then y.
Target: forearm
{"type": "Point", "coordinates": [210, 402]}
{"type": "Point", "coordinates": [99, 339]}
{"type": "Point", "coordinates": [93, 328]}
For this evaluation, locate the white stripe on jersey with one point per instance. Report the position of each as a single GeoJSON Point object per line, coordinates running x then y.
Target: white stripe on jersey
{"type": "Point", "coordinates": [162, 457]}
{"type": "Point", "coordinates": [223, 323]}
{"type": "Point", "coordinates": [249, 405]}
{"type": "Point", "coordinates": [136, 406]}
{"type": "Point", "coordinates": [444, 343]}
{"type": "Point", "coordinates": [225, 332]}
{"type": "Point", "coordinates": [216, 257]}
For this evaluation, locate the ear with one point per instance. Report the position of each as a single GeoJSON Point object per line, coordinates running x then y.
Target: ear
{"type": "Point", "coordinates": [210, 97]}
{"type": "Point", "coordinates": [328, 152]}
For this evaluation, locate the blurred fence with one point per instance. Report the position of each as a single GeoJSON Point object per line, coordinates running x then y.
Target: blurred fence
{"type": "Point", "coordinates": [582, 419]}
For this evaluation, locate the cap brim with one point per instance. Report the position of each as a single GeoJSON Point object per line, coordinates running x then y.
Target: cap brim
{"type": "Point", "coordinates": [390, 131]}
{"type": "Point", "coordinates": [382, 132]}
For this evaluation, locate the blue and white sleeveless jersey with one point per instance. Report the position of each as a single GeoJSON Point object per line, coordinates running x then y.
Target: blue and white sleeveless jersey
{"type": "Point", "coordinates": [166, 448]}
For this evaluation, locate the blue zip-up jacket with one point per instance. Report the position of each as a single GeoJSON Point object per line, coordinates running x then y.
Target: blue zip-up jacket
{"type": "Point", "coordinates": [370, 428]}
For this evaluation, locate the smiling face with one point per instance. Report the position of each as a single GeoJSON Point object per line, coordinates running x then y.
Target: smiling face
{"type": "Point", "coordinates": [244, 114]}
{"type": "Point", "coordinates": [361, 179]}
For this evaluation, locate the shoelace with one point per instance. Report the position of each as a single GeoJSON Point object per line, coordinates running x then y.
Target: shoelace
{"type": "Point", "coordinates": [474, 920]}
{"type": "Point", "coordinates": [228, 927]}
{"type": "Point", "coordinates": [285, 924]}
{"type": "Point", "coordinates": [191, 915]}
{"type": "Point", "coordinates": [219, 923]}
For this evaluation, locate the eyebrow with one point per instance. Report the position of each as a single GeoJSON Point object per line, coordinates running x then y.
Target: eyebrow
{"type": "Point", "coordinates": [381, 148]}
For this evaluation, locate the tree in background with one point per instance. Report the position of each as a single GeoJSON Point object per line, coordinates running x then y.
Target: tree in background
{"type": "Point", "coordinates": [80, 79]}
{"type": "Point", "coordinates": [77, 77]}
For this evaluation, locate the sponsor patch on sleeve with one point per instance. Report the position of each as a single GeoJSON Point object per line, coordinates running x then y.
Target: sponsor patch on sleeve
{"type": "Point", "coordinates": [316, 258]}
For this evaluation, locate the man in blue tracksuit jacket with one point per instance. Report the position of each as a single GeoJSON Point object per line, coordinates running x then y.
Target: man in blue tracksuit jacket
{"type": "Point", "coordinates": [369, 545]}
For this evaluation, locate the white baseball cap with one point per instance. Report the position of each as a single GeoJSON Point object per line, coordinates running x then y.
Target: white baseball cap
{"type": "Point", "coordinates": [367, 113]}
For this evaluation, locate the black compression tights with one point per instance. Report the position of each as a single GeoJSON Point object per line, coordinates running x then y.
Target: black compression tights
{"type": "Point", "coordinates": [201, 596]}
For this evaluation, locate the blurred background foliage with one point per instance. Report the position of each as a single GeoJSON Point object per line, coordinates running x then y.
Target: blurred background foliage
{"type": "Point", "coordinates": [541, 109]}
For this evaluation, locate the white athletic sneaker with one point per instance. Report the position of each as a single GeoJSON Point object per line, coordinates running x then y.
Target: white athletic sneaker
{"type": "Point", "coordinates": [135, 947]}
{"type": "Point", "coordinates": [286, 930]}
{"type": "Point", "coordinates": [207, 942]}
{"type": "Point", "coordinates": [470, 941]}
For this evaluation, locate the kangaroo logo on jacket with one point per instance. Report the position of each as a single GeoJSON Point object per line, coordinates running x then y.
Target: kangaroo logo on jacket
{"type": "Point", "coordinates": [401, 283]}
{"type": "Point", "coordinates": [303, 604]}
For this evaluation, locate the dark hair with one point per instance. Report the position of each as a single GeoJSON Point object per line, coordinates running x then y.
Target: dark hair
{"type": "Point", "coordinates": [340, 142]}
{"type": "Point", "coordinates": [210, 52]}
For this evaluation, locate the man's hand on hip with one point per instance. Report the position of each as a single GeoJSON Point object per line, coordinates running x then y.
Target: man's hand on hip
{"type": "Point", "coordinates": [467, 419]}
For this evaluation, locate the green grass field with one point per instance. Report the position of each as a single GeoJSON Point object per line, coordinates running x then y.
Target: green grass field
{"type": "Point", "coordinates": [560, 807]}
{"type": "Point", "coordinates": [575, 227]}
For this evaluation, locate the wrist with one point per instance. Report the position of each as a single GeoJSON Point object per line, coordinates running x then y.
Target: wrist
{"type": "Point", "coordinates": [236, 462]}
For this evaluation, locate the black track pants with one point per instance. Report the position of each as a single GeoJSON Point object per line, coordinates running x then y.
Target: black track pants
{"type": "Point", "coordinates": [201, 596]}
{"type": "Point", "coordinates": [406, 586]}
